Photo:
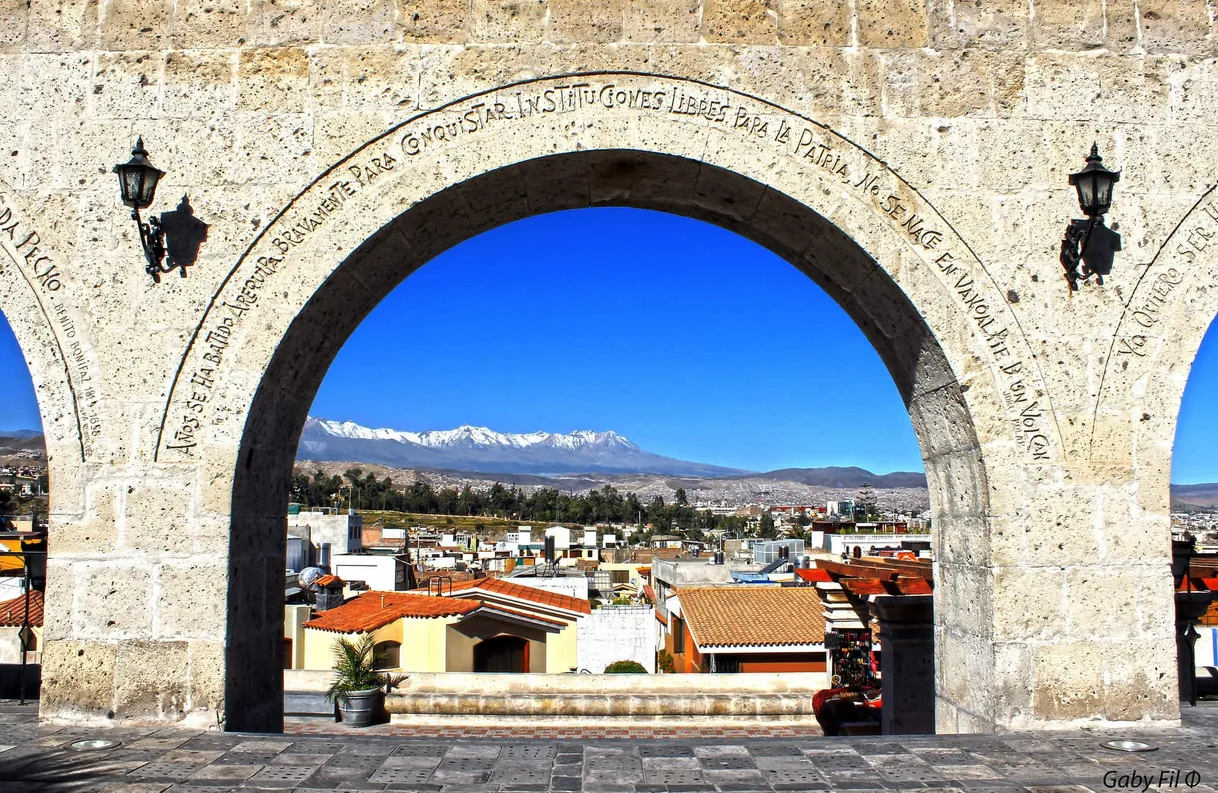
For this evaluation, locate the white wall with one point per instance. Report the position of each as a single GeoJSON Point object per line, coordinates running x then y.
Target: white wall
{"type": "Point", "coordinates": [10, 646]}
{"type": "Point", "coordinates": [1207, 646]}
{"type": "Point", "coordinates": [561, 535]}
{"type": "Point", "coordinates": [343, 532]}
{"type": "Point", "coordinates": [575, 586]}
{"type": "Point", "coordinates": [617, 634]}
{"type": "Point", "coordinates": [836, 543]}
{"type": "Point", "coordinates": [376, 571]}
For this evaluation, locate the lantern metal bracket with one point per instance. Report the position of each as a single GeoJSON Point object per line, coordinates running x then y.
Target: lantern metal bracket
{"type": "Point", "coordinates": [1088, 249]}
{"type": "Point", "coordinates": [152, 239]}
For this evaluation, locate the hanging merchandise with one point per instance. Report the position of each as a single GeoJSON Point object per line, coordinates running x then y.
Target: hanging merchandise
{"type": "Point", "coordinates": [850, 658]}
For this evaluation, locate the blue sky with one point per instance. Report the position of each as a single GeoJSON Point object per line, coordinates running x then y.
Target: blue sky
{"type": "Point", "coordinates": [689, 340]}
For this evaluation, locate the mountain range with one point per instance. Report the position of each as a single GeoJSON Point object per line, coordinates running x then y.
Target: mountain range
{"type": "Point", "coordinates": [478, 449]}
{"type": "Point", "coordinates": [483, 450]}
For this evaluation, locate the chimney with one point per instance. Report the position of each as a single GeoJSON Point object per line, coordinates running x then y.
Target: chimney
{"type": "Point", "coordinates": [330, 595]}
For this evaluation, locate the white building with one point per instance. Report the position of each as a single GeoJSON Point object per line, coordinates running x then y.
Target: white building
{"type": "Point", "coordinates": [321, 535]}
{"type": "Point", "coordinates": [562, 537]}
{"type": "Point", "coordinates": [844, 508]}
{"type": "Point", "coordinates": [522, 536]}
{"type": "Point", "coordinates": [381, 572]}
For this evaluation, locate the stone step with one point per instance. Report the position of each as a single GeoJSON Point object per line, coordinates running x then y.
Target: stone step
{"type": "Point", "coordinates": [660, 704]}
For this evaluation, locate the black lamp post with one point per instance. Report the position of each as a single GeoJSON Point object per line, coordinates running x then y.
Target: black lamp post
{"type": "Point", "coordinates": [137, 179]}
{"type": "Point", "coordinates": [1089, 242]}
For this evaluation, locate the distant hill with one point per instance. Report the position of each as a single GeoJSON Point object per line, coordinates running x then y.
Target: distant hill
{"type": "Point", "coordinates": [835, 476]}
{"type": "Point", "coordinates": [1201, 495]}
{"type": "Point", "coordinates": [16, 441]}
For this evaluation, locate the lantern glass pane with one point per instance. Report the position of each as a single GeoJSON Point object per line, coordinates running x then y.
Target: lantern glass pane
{"type": "Point", "coordinates": [148, 187]}
{"type": "Point", "coordinates": [128, 183]}
{"type": "Point", "coordinates": [1086, 191]}
{"type": "Point", "coordinates": [124, 184]}
{"type": "Point", "coordinates": [1103, 189]}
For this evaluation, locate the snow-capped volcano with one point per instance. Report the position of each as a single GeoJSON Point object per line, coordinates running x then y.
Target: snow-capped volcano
{"type": "Point", "coordinates": [469, 448]}
{"type": "Point", "coordinates": [467, 435]}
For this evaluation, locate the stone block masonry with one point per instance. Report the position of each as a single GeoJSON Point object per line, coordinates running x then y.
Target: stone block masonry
{"type": "Point", "coordinates": [908, 157]}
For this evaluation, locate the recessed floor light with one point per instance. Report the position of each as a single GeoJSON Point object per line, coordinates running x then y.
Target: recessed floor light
{"type": "Point", "coordinates": [1126, 745]}
{"type": "Point", "coordinates": [93, 744]}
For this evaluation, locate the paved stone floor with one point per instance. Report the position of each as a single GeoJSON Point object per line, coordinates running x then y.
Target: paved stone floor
{"type": "Point", "coordinates": [36, 757]}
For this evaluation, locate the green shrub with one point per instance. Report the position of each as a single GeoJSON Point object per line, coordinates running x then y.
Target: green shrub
{"type": "Point", "coordinates": [625, 667]}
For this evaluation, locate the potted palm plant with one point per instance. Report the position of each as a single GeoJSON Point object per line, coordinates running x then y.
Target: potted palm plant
{"type": "Point", "coordinates": [357, 687]}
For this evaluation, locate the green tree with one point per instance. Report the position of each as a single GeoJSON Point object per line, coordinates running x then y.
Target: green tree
{"type": "Point", "coordinates": [766, 528]}
{"type": "Point", "coordinates": [682, 499]}
{"type": "Point", "coordinates": [864, 501]}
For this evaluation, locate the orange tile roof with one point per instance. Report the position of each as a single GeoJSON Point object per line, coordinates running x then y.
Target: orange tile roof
{"type": "Point", "coordinates": [812, 574]}
{"type": "Point", "coordinates": [373, 610]}
{"type": "Point", "coordinates": [12, 612]}
{"type": "Point", "coordinates": [753, 616]}
{"type": "Point", "coordinates": [500, 586]}
{"type": "Point", "coordinates": [327, 580]}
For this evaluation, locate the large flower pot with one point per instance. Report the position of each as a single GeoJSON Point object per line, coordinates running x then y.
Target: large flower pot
{"type": "Point", "coordinates": [358, 707]}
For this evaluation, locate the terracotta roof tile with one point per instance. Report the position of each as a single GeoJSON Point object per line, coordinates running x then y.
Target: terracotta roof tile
{"type": "Point", "coordinates": [373, 610]}
{"type": "Point", "coordinates": [812, 574]}
{"type": "Point", "coordinates": [756, 616]}
{"type": "Point", "coordinates": [327, 580]}
{"type": "Point", "coordinates": [500, 586]}
{"type": "Point", "coordinates": [12, 612]}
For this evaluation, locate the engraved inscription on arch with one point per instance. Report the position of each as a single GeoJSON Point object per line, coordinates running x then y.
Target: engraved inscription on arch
{"type": "Point", "coordinates": [28, 257]}
{"type": "Point", "coordinates": [831, 161]}
{"type": "Point", "coordinates": [1143, 334]}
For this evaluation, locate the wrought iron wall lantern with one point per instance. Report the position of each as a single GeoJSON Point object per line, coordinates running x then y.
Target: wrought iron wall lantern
{"type": "Point", "coordinates": [137, 179]}
{"type": "Point", "coordinates": [1089, 246]}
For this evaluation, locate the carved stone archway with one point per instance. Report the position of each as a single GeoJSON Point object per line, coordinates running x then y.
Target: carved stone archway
{"type": "Point", "coordinates": [936, 317]}
{"type": "Point", "coordinates": [938, 232]}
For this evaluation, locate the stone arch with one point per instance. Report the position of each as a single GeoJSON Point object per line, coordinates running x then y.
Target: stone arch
{"type": "Point", "coordinates": [840, 215]}
{"type": "Point", "coordinates": [1160, 331]}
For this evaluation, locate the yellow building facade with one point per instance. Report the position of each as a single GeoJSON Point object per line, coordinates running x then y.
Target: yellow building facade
{"type": "Point", "coordinates": [484, 626]}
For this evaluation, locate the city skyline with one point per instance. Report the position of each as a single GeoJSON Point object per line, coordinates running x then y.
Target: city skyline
{"type": "Point", "coordinates": [702, 346]}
